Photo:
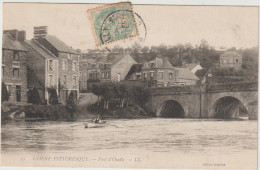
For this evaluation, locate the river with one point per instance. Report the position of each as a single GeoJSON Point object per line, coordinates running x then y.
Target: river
{"type": "Point", "coordinates": [144, 143]}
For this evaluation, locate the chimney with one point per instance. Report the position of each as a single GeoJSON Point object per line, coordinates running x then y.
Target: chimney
{"type": "Point", "coordinates": [40, 31]}
{"type": "Point", "coordinates": [13, 33]}
{"type": "Point", "coordinates": [21, 36]}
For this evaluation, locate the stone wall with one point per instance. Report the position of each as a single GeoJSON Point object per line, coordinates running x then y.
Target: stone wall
{"type": "Point", "coordinates": [14, 81]}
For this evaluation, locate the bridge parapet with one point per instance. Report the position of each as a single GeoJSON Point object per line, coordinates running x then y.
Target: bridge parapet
{"type": "Point", "coordinates": [243, 86]}
{"type": "Point", "coordinates": [175, 90]}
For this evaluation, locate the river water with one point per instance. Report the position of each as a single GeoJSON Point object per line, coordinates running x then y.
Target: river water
{"type": "Point", "coordinates": [175, 142]}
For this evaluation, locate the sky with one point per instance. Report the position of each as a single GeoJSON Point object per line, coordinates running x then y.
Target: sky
{"type": "Point", "coordinates": [221, 26]}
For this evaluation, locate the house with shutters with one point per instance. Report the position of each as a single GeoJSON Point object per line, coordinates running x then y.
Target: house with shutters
{"type": "Point", "coordinates": [68, 62]}
{"type": "Point", "coordinates": [14, 68]}
{"type": "Point", "coordinates": [158, 73]}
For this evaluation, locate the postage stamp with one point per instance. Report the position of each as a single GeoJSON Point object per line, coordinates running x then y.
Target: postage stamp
{"type": "Point", "coordinates": [112, 23]}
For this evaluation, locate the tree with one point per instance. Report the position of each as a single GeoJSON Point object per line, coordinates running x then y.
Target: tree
{"type": "Point", "coordinates": [34, 97]}
{"type": "Point", "coordinates": [97, 90]}
{"type": "Point", "coordinates": [53, 99]}
{"type": "Point", "coordinates": [140, 94]}
{"type": "Point", "coordinates": [121, 90]}
{"type": "Point", "coordinates": [71, 105]}
{"type": "Point", "coordinates": [5, 94]}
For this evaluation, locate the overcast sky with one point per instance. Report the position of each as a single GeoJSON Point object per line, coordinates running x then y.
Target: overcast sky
{"type": "Point", "coordinates": [169, 25]}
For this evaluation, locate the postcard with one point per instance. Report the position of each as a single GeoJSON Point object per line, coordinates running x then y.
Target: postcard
{"type": "Point", "coordinates": [125, 85]}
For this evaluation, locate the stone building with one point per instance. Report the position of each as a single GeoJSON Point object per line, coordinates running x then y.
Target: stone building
{"type": "Point", "coordinates": [14, 69]}
{"type": "Point", "coordinates": [159, 72]}
{"type": "Point", "coordinates": [68, 62]}
{"type": "Point", "coordinates": [231, 59]}
{"type": "Point", "coordinates": [42, 68]}
{"type": "Point", "coordinates": [115, 67]}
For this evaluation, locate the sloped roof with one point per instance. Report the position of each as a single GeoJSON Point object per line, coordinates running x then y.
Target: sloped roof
{"type": "Point", "coordinates": [229, 54]}
{"type": "Point", "coordinates": [190, 65]}
{"type": "Point", "coordinates": [59, 45]}
{"type": "Point", "coordinates": [158, 63]}
{"type": "Point", "coordinates": [136, 68]}
{"type": "Point", "coordinates": [40, 49]}
{"type": "Point", "coordinates": [201, 73]}
{"type": "Point", "coordinates": [185, 73]}
{"type": "Point", "coordinates": [112, 58]}
{"type": "Point", "coordinates": [10, 43]}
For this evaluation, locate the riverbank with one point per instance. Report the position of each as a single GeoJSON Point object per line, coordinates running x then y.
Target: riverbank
{"type": "Point", "coordinates": [131, 112]}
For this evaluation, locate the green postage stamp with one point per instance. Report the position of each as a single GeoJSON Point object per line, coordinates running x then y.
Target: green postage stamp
{"type": "Point", "coordinates": [112, 23]}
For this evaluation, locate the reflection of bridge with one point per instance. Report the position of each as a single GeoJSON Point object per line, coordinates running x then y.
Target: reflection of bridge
{"type": "Point", "coordinates": [223, 100]}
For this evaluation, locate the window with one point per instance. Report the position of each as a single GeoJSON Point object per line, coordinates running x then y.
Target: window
{"type": "Point", "coordinates": [145, 76]}
{"type": "Point", "coordinates": [69, 56]}
{"type": "Point", "coordinates": [236, 60]}
{"type": "Point", "coordinates": [74, 80]}
{"type": "Point", "coordinates": [15, 56]}
{"type": "Point", "coordinates": [9, 87]}
{"type": "Point", "coordinates": [160, 76]}
{"type": "Point", "coordinates": [18, 93]}
{"type": "Point", "coordinates": [97, 76]}
{"type": "Point", "coordinates": [152, 64]}
{"type": "Point", "coordinates": [64, 79]}
{"type": "Point", "coordinates": [170, 76]}
{"type": "Point", "coordinates": [90, 75]}
{"type": "Point", "coordinates": [50, 67]}
{"type": "Point", "coordinates": [50, 80]}
{"type": "Point", "coordinates": [74, 65]}
{"type": "Point", "coordinates": [151, 75]}
{"type": "Point", "coordinates": [103, 75]}
{"type": "Point", "coordinates": [106, 75]}
{"type": "Point", "coordinates": [16, 72]}
{"type": "Point", "coordinates": [64, 65]}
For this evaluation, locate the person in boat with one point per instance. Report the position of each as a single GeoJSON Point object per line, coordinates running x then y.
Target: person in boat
{"type": "Point", "coordinates": [97, 120]}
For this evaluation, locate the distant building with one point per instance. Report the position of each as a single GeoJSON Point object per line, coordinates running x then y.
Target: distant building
{"type": "Point", "coordinates": [68, 62]}
{"type": "Point", "coordinates": [42, 68]}
{"type": "Point", "coordinates": [159, 72]}
{"type": "Point", "coordinates": [193, 67]}
{"type": "Point", "coordinates": [231, 59]}
{"type": "Point", "coordinates": [115, 67]}
{"type": "Point", "coordinates": [186, 77]}
{"type": "Point", "coordinates": [14, 69]}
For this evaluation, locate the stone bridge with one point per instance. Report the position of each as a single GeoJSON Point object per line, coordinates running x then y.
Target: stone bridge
{"type": "Point", "coordinates": [206, 101]}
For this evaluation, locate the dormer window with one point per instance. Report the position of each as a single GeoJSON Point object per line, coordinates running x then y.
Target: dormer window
{"type": "Point", "coordinates": [15, 56]}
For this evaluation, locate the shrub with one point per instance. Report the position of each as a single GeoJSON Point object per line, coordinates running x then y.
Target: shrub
{"type": "Point", "coordinates": [5, 94]}
{"type": "Point", "coordinates": [34, 97]}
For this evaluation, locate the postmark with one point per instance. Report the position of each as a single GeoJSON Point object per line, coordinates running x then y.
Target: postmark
{"type": "Point", "coordinates": [113, 22]}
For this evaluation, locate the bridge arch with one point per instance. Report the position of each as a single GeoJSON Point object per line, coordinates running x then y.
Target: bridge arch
{"type": "Point", "coordinates": [171, 109]}
{"type": "Point", "coordinates": [228, 107]}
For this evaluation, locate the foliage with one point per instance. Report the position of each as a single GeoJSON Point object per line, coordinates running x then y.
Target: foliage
{"type": "Point", "coordinates": [121, 91]}
{"type": "Point", "coordinates": [71, 103]}
{"type": "Point", "coordinates": [34, 97]}
{"type": "Point", "coordinates": [5, 94]}
{"type": "Point", "coordinates": [53, 99]}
